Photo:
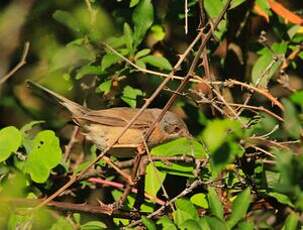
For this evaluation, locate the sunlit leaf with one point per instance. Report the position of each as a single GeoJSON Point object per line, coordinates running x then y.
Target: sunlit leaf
{"type": "Point", "coordinates": [143, 18]}
{"type": "Point", "coordinates": [45, 155]}
{"type": "Point", "coordinates": [108, 60]}
{"type": "Point", "coordinates": [180, 146]}
{"type": "Point", "coordinates": [142, 53]}
{"type": "Point", "coordinates": [199, 199]}
{"type": "Point", "coordinates": [10, 141]}
{"type": "Point", "coordinates": [88, 70]}
{"type": "Point", "coordinates": [90, 225]}
{"type": "Point", "coordinates": [130, 95]}
{"type": "Point", "coordinates": [157, 61]}
{"type": "Point", "coordinates": [153, 180]}
{"type": "Point", "coordinates": [104, 87]}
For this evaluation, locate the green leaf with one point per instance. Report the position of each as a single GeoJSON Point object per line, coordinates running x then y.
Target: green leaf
{"type": "Point", "coordinates": [93, 225]}
{"type": "Point", "coordinates": [185, 211]}
{"type": "Point", "coordinates": [213, 9]}
{"type": "Point", "coordinates": [130, 96]}
{"type": "Point", "coordinates": [215, 205]}
{"type": "Point", "coordinates": [239, 208]}
{"type": "Point", "coordinates": [176, 169]}
{"type": "Point", "coordinates": [108, 60]}
{"type": "Point", "coordinates": [128, 35]}
{"type": "Point", "coordinates": [158, 32]}
{"type": "Point", "coordinates": [283, 199]}
{"type": "Point", "coordinates": [291, 222]}
{"type": "Point", "coordinates": [62, 224]}
{"type": "Point", "coordinates": [297, 98]}
{"type": "Point", "coordinates": [143, 18]}
{"type": "Point", "coordinates": [104, 87]}
{"type": "Point", "coordinates": [235, 3]}
{"type": "Point", "coordinates": [157, 61]}
{"type": "Point", "coordinates": [10, 141]}
{"type": "Point", "coordinates": [133, 3]}
{"type": "Point", "coordinates": [88, 70]}
{"type": "Point", "coordinates": [140, 64]}
{"type": "Point", "coordinates": [215, 223]}
{"type": "Point", "coordinates": [191, 224]}
{"type": "Point", "coordinates": [166, 223]}
{"type": "Point", "coordinates": [265, 66]}
{"type": "Point", "coordinates": [291, 122]}
{"type": "Point", "coordinates": [200, 200]}
{"type": "Point", "coordinates": [67, 19]}
{"type": "Point", "coordinates": [149, 224]}
{"type": "Point", "coordinates": [153, 180]}
{"type": "Point", "coordinates": [180, 146]}
{"type": "Point", "coordinates": [217, 131]}
{"type": "Point", "coordinates": [142, 53]}
{"type": "Point", "coordinates": [45, 155]}
{"type": "Point", "coordinates": [203, 223]}
{"type": "Point", "coordinates": [245, 225]}
{"type": "Point", "coordinates": [73, 56]}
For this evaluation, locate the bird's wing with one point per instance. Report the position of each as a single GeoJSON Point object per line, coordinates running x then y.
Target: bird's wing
{"type": "Point", "coordinates": [120, 117]}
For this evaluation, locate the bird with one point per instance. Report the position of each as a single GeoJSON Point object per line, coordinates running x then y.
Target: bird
{"type": "Point", "coordinates": [103, 126]}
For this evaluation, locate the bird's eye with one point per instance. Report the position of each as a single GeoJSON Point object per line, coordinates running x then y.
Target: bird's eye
{"type": "Point", "coordinates": [176, 129]}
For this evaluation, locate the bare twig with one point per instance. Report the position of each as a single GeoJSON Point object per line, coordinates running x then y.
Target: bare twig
{"type": "Point", "coordinates": [21, 63]}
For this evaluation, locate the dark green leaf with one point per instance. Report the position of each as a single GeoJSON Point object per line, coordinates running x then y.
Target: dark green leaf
{"type": "Point", "coordinates": [239, 208]}
{"type": "Point", "coordinates": [215, 205]}
{"type": "Point", "coordinates": [10, 141]}
{"type": "Point", "coordinates": [157, 61]}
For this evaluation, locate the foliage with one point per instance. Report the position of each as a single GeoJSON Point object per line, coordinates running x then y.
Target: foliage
{"type": "Point", "coordinates": [242, 167]}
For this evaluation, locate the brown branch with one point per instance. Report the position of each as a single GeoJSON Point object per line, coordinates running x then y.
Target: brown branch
{"type": "Point", "coordinates": [21, 63]}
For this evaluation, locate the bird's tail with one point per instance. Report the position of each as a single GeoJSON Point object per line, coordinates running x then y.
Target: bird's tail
{"type": "Point", "coordinates": [76, 109]}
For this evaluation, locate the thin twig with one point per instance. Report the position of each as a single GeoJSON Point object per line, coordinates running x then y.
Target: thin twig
{"type": "Point", "coordinates": [21, 63]}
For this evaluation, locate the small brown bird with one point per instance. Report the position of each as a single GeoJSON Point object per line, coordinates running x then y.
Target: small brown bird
{"type": "Point", "coordinates": [104, 126]}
